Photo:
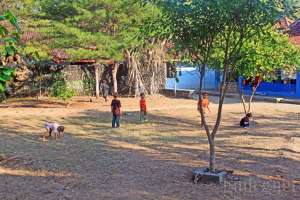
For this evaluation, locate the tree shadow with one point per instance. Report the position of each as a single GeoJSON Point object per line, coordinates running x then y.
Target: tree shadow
{"type": "Point", "coordinates": [137, 161]}
{"type": "Point", "coordinates": [33, 103]}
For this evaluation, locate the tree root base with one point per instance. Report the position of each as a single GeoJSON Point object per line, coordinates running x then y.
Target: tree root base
{"type": "Point", "coordinates": [203, 175]}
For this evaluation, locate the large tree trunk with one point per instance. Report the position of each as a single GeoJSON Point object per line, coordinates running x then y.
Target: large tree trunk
{"type": "Point", "coordinates": [97, 80]}
{"type": "Point", "coordinates": [114, 77]}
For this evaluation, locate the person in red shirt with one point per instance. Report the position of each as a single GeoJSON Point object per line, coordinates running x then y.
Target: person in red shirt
{"type": "Point", "coordinates": [143, 108]}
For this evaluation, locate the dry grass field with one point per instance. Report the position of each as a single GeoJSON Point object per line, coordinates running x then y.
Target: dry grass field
{"type": "Point", "coordinates": [146, 161]}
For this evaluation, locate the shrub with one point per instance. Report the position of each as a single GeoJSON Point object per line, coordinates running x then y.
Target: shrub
{"type": "Point", "coordinates": [2, 96]}
{"type": "Point", "coordinates": [89, 86]}
{"type": "Point", "coordinates": [61, 89]}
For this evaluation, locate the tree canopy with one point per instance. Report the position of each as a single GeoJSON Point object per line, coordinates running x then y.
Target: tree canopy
{"type": "Point", "coordinates": [94, 29]}
{"type": "Point", "coordinates": [266, 53]}
{"type": "Point", "coordinates": [292, 8]}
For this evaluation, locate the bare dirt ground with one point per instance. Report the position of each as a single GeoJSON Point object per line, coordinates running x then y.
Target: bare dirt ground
{"type": "Point", "coordinates": [146, 161]}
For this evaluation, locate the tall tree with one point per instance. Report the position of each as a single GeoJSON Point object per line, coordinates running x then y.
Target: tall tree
{"type": "Point", "coordinates": [199, 29]}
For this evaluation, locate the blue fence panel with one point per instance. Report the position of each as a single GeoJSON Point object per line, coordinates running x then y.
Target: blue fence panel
{"type": "Point", "coordinates": [189, 78]}
{"type": "Point", "coordinates": [273, 89]}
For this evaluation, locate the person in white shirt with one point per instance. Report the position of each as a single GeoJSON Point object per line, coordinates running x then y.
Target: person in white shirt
{"type": "Point", "coordinates": [52, 127]}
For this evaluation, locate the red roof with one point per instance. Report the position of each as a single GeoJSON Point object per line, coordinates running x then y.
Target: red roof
{"type": "Point", "coordinates": [284, 23]}
{"type": "Point", "coordinates": [84, 62]}
{"type": "Point", "coordinates": [291, 27]}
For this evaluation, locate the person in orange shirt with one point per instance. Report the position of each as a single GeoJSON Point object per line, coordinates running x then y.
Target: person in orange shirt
{"type": "Point", "coordinates": [143, 108]}
{"type": "Point", "coordinates": [204, 103]}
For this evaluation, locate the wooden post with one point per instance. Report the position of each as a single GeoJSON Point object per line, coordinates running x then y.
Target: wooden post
{"type": "Point", "coordinates": [114, 76]}
{"type": "Point", "coordinates": [97, 80]}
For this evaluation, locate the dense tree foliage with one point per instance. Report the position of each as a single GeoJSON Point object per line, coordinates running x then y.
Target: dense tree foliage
{"type": "Point", "coordinates": [266, 53]}
{"type": "Point", "coordinates": [292, 8]}
{"type": "Point", "coordinates": [94, 29]}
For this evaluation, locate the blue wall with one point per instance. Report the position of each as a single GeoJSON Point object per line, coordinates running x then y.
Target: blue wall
{"type": "Point", "coordinates": [189, 78]}
{"type": "Point", "coordinates": [298, 85]}
{"type": "Point", "coordinates": [276, 89]}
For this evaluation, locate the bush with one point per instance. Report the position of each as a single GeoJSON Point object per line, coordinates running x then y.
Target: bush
{"type": "Point", "coordinates": [2, 96]}
{"type": "Point", "coordinates": [89, 86]}
{"type": "Point", "coordinates": [61, 89]}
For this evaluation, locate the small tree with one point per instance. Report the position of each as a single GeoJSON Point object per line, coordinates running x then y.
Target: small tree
{"type": "Point", "coordinates": [201, 29]}
{"type": "Point", "coordinates": [262, 57]}
{"type": "Point", "coordinates": [61, 89]}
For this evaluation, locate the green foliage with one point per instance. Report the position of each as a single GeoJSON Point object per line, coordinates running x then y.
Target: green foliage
{"type": "Point", "coordinates": [2, 96]}
{"type": "Point", "coordinates": [89, 85]}
{"type": "Point", "coordinates": [58, 9]}
{"type": "Point", "coordinates": [6, 74]}
{"type": "Point", "coordinates": [292, 8]}
{"type": "Point", "coordinates": [109, 26]}
{"type": "Point", "coordinates": [199, 29]}
{"type": "Point", "coordinates": [266, 53]}
{"type": "Point", "coordinates": [61, 89]}
{"type": "Point", "coordinates": [9, 37]}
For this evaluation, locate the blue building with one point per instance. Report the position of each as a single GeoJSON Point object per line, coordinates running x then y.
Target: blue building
{"type": "Point", "coordinates": [189, 79]}
{"type": "Point", "coordinates": [286, 88]}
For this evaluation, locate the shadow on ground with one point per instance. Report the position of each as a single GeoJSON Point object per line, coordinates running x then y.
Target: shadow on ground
{"type": "Point", "coordinates": [139, 161]}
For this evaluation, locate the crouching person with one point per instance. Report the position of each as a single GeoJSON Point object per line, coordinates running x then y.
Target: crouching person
{"type": "Point", "coordinates": [245, 121]}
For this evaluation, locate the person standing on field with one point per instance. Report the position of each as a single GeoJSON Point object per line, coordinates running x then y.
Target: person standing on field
{"type": "Point", "coordinates": [143, 108]}
{"type": "Point", "coordinates": [204, 103]}
{"type": "Point", "coordinates": [104, 89]}
{"type": "Point", "coordinates": [116, 111]}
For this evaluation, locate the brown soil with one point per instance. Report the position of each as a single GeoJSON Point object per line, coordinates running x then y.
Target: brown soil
{"type": "Point", "coordinates": [146, 161]}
